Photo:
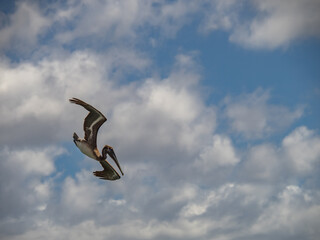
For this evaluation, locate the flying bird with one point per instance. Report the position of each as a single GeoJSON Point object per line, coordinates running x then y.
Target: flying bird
{"type": "Point", "coordinates": [88, 145]}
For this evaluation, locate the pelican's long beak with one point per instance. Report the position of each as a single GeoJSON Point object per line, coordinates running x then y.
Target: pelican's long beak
{"type": "Point", "coordinates": [114, 157]}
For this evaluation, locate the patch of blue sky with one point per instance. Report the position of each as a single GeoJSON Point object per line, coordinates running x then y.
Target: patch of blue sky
{"type": "Point", "coordinates": [7, 7]}
{"type": "Point", "coordinates": [70, 162]}
{"type": "Point", "coordinates": [292, 75]}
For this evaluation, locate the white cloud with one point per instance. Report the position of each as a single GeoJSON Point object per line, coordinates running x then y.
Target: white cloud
{"type": "Point", "coordinates": [134, 229]}
{"type": "Point", "coordinates": [120, 20]}
{"type": "Point", "coordinates": [293, 212]}
{"type": "Point", "coordinates": [171, 107]}
{"type": "Point", "coordinates": [26, 184]}
{"type": "Point", "coordinates": [100, 17]}
{"type": "Point", "coordinates": [35, 162]}
{"type": "Point", "coordinates": [270, 24]}
{"type": "Point", "coordinates": [253, 117]}
{"type": "Point", "coordinates": [297, 155]}
{"type": "Point", "coordinates": [263, 24]}
{"type": "Point", "coordinates": [220, 153]}
{"type": "Point", "coordinates": [82, 195]}
{"type": "Point", "coordinates": [220, 15]}
{"type": "Point", "coordinates": [225, 196]}
{"type": "Point", "coordinates": [23, 27]}
{"type": "Point", "coordinates": [186, 192]}
{"type": "Point", "coordinates": [235, 210]}
{"type": "Point", "coordinates": [278, 23]}
{"type": "Point", "coordinates": [43, 91]}
{"type": "Point", "coordinates": [302, 149]}
{"type": "Point", "coordinates": [264, 163]}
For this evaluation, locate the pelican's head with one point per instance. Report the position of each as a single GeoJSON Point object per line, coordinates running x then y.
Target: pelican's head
{"type": "Point", "coordinates": [109, 150]}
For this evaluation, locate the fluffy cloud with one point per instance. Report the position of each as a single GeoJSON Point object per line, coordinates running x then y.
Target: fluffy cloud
{"type": "Point", "coordinates": [26, 185]}
{"type": "Point", "coordinates": [43, 92]}
{"type": "Point", "coordinates": [119, 20]}
{"type": "Point", "coordinates": [297, 155]}
{"type": "Point", "coordinates": [198, 217]}
{"type": "Point", "coordinates": [264, 163]}
{"type": "Point", "coordinates": [221, 153]}
{"type": "Point", "coordinates": [253, 117]}
{"type": "Point", "coordinates": [220, 15]}
{"type": "Point", "coordinates": [109, 20]}
{"type": "Point", "coordinates": [23, 27]}
{"type": "Point", "coordinates": [280, 215]}
{"type": "Point", "coordinates": [278, 23]}
{"type": "Point", "coordinates": [273, 23]}
{"type": "Point", "coordinates": [302, 149]}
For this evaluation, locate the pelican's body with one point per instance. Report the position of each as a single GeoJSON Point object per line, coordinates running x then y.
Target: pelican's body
{"type": "Point", "coordinates": [88, 144]}
{"type": "Point", "coordinates": [86, 149]}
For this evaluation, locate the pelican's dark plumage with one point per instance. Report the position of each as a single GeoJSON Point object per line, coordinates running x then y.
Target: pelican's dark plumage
{"type": "Point", "coordinates": [88, 145]}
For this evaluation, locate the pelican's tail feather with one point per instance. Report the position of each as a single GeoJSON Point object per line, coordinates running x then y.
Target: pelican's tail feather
{"type": "Point", "coordinates": [75, 137]}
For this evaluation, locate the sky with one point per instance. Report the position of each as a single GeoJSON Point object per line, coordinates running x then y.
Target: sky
{"type": "Point", "coordinates": [213, 113]}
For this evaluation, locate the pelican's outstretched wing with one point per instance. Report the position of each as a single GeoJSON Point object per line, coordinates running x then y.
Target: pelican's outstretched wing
{"type": "Point", "coordinates": [92, 122]}
{"type": "Point", "coordinates": [109, 173]}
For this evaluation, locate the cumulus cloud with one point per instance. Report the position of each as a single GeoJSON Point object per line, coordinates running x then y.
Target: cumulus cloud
{"type": "Point", "coordinates": [43, 91]}
{"type": "Point", "coordinates": [302, 148]}
{"type": "Point", "coordinates": [280, 215]}
{"type": "Point", "coordinates": [272, 24]}
{"type": "Point", "coordinates": [122, 20]}
{"type": "Point", "coordinates": [263, 163]}
{"type": "Point", "coordinates": [220, 15]}
{"type": "Point", "coordinates": [220, 153]}
{"type": "Point", "coordinates": [26, 185]}
{"type": "Point", "coordinates": [253, 117]}
{"type": "Point", "coordinates": [180, 127]}
{"type": "Point", "coordinates": [278, 23]}
{"type": "Point", "coordinates": [109, 21]}
{"type": "Point", "coordinates": [225, 196]}
{"type": "Point", "coordinates": [22, 29]}
{"type": "Point", "coordinates": [296, 156]}
{"type": "Point", "coordinates": [212, 213]}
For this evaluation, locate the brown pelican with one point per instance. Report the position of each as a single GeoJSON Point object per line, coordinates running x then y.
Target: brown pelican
{"type": "Point", "coordinates": [88, 145]}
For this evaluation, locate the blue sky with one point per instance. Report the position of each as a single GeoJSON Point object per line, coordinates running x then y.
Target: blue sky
{"type": "Point", "coordinates": [212, 107]}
